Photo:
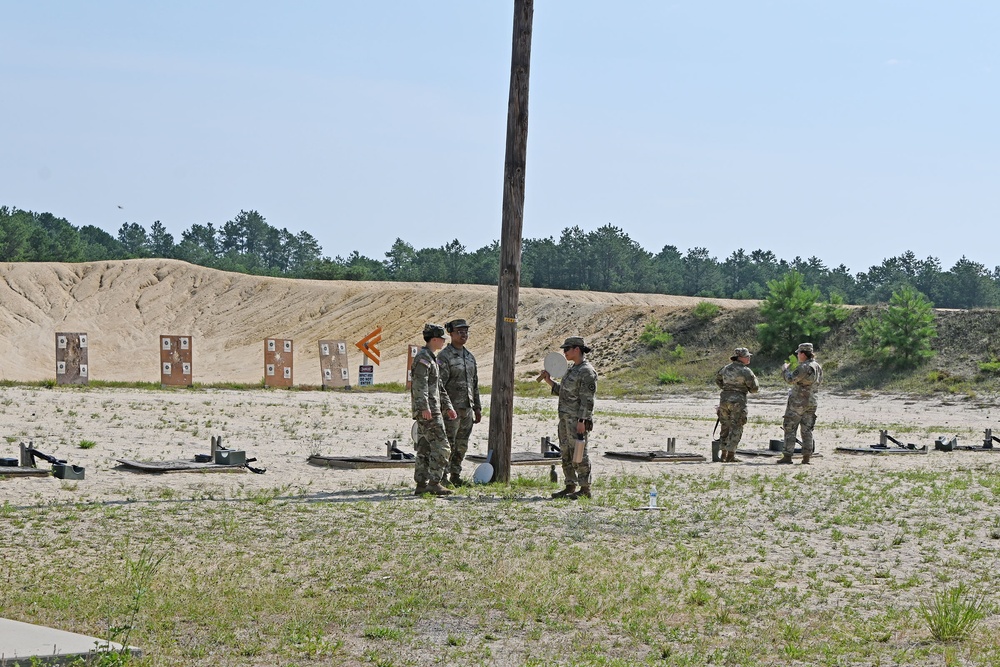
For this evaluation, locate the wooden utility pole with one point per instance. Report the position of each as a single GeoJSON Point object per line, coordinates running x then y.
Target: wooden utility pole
{"type": "Point", "coordinates": [505, 346]}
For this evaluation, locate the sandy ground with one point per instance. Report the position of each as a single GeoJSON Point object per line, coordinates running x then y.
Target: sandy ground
{"type": "Point", "coordinates": [125, 306]}
{"type": "Point", "coordinates": [282, 428]}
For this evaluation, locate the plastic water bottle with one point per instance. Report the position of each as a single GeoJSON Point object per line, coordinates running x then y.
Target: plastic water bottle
{"type": "Point", "coordinates": [652, 497]}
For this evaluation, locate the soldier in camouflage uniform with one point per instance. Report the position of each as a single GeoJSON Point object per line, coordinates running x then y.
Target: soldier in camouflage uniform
{"type": "Point", "coordinates": [427, 398]}
{"type": "Point", "coordinates": [800, 413]}
{"type": "Point", "coordinates": [576, 413]}
{"type": "Point", "coordinates": [735, 380]}
{"type": "Point", "coordinates": [460, 379]}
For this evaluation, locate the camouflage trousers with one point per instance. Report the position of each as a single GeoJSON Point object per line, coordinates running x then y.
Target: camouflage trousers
{"type": "Point", "coordinates": [575, 473]}
{"type": "Point", "coordinates": [732, 417]}
{"type": "Point", "coordinates": [803, 421]}
{"type": "Point", "coordinates": [459, 431]}
{"type": "Point", "coordinates": [432, 450]}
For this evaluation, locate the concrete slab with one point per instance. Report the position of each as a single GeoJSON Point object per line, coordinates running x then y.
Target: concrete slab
{"type": "Point", "coordinates": [22, 642]}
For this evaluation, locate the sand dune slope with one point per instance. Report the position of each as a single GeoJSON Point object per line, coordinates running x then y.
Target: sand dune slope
{"type": "Point", "coordinates": [124, 306]}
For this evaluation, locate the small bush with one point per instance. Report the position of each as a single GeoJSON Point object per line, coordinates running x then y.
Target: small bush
{"type": "Point", "coordinates": [669, 377]}
{"type": "Point", "coordinates": [953, 613]}
{"type": "Point", "coordinates": [678, 352]}
{"type": "Point", "coordinates": [87, 444]}
{"type": "Point", "coordinates": [943, 377]}
{"type": "Point", "coordinates": [654, 337]}
{"type": "Point", "coordinates": [991, 366]}
{"type": "Point", "coordinates": [706, 310]}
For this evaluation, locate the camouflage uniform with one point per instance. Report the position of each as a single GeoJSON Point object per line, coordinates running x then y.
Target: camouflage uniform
{"type": "Point", "coordinates": [576, 403]}
{"type": "Point", "coordinates": [800, 411]}
{"type": "Point", "coordinates": [460, 379]}
{"type": "Point", "coordinates": [426, 393]}
{"type": "Point", "coordinates": [735, 380]}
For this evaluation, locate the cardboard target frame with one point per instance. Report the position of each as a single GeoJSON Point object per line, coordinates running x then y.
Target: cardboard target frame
{"type": "Point", "coordinates": [333, 366]}
{"type": "Point", "coordinates": [278, 362]}
{"type": "Point", "coordinates": [176, 367]}
{"type": "Point", "coordinates": [72, 366]}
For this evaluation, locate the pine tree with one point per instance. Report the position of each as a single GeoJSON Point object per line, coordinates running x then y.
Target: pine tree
{"type": "Point", "coordinates": [908, 328]}
{"type": "Point", "coordinates": [902, 336]}
{"type": "Point", "coordinates": [791, 315]}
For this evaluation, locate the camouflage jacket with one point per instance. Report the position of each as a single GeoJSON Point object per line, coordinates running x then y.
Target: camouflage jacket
{"type": "Point", "coordinates": [736, 380]}
{"type": "Point", "coordinates": [426, 392]}
{"type": "Point", "coordinates": [460, 377]}
{"type": "Point", "coordinates": [805, 380]}
{"type": "Point", "coordinates": [576, 391]}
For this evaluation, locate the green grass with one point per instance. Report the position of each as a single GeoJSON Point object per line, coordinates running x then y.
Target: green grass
{"type": "Point", "coordinates": [670, 377]}
{"type": "Point", "coordinates": [741, 567]}
{"type": "Point", "coordinates": [86, 444]}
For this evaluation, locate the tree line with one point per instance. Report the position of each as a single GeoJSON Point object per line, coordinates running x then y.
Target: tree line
{"type": "Point", "coordinates": [605, 260]}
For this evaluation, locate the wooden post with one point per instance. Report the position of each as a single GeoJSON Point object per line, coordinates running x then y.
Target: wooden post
{"type": "Point", "coordinates": [505, 347]}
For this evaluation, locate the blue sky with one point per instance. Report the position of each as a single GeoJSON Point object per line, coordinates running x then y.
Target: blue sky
{"type": "Point", "coordinates": [852, 131]}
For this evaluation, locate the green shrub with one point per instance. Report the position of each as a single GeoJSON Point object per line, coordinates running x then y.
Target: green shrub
{"type": "Point", "coordinates": [991, 366]}
{"type": "Point", "coordinates": [669, 377]}
{"type": "Point", "coordinates": [943, 377]}
{"type": "Point", "coordinates": [87, 444]}
{"type": "Point", "coordinates": [654, 337]}
{"type": "Point", "coordinates": [678, 352]}
{"type": "Point", "coordinates": [706, 310]}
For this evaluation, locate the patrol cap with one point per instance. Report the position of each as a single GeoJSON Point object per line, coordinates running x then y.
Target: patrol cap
{"type": "Point", "coordinates": [804, 347]}
{"type": "Point", "coordinates": [575, 341]}
{"type": "Point", "coordinates": [456, 324]}
{"type": "Point", "coordinates": [433, 331]}
{"type": "Point", "coordinates": [740, 352]}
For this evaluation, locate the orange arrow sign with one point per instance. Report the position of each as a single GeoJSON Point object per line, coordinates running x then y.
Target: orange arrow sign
{"type": "Point", "coordinates": [367, 345]}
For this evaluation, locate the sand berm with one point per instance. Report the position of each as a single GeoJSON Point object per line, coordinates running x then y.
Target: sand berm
{"type": "Point", "coordinates": [124, 306]}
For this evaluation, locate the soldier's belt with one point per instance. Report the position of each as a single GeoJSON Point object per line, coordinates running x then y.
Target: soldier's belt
{"type": "Point", "coordinates": [732, 393]}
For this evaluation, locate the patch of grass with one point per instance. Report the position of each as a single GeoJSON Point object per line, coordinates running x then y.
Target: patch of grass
{"type": "Point", "coordinates": [952, 614]}
{"type": "Point", "coordinates": [360, 572]}
{"type": "Point", "coordinates": [528, 389]}
{"type": "Point", "coordinates": [670, 377]}
{"type": "Point", "coordinates": [381, 632]}
{"type": "Point", "coordinates": [991, 366]}
{"type": "Point", "coordinates": [87, 444]}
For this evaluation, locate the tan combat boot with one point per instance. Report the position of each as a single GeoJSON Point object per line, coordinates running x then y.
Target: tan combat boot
{"type": "Point", "coordinates": [732, 458]}
{"type": "Point", "coordinates": [805, 458]}
{"type": "Point", "coordinates": [421, 489]}
{"type": "Point", "coordinates": [456, 479]}
{"type": "Point", "coordinates": [785, 459]}
{"type": "Point", "coordinates": [584, 492]}
{"type": "Point", "coordinates": [565, 493]}
{"type": "Point", "coordinates": [436, 489]}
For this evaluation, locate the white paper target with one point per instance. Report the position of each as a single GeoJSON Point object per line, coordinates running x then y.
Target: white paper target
{"type": "Point", "coordinates": [555, 364]}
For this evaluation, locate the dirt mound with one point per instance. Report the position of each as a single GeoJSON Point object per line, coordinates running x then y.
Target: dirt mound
{"type": "Point", "coordinates": [125, 306]}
